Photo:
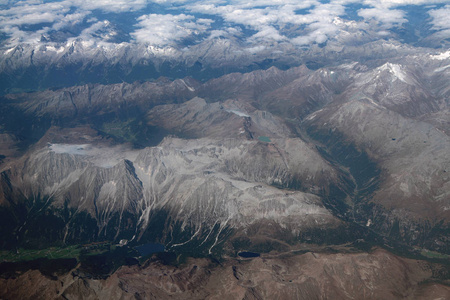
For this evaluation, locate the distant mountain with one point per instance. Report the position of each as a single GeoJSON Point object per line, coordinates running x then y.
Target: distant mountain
{"type": "Point", "coordinates": [72, 44]}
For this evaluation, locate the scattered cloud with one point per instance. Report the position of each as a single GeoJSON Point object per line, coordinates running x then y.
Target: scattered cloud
{"type": "Point", "coordinates": [55, 16]}
{"type": "Point", "coordinates": [33, 18]}
{"type": "Point", "coordinates": [297, 22]}
{"type": "Point", "coordinates": [440, 18]}
{"type": "Point", "coordinates": [440, 21]}
{"type": "Point", "coordinates": [225, 32]}
{"type": "Point", "coordinates": [269, 18]}
{"type": "Point", "coordinates": [321, 24]}
{"type": "Point", "coordinates": [71, 20]}
{"type": "Point", "coordinates": [109, 5]}
{"type": "Point", "coordinates": [394, 3]}
{"type": "Point", "coordinates": [32, 14]}
{"type": "Point", "coordinates": [165, 30]}
{"type": "Point", "coordinates": [268, 33]}
{"type": "Point", "coordinates": [388, 17]}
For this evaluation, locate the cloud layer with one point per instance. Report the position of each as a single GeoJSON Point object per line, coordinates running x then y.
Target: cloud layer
{"type": "Point", "coordinates": [277, 21]}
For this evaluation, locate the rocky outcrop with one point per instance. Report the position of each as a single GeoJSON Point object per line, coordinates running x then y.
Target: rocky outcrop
{"type": "Point", "coordinates": [313, 275]}
{"type": "Point", "coordinates": [200, 184]}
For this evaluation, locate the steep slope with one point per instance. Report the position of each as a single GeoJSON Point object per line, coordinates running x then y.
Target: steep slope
{"type": "Point", "coordinates": [413, 192]}
{"type": "Point", "coordinates": [199, 187]}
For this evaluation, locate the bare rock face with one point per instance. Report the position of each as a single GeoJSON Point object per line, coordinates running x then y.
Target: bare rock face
{"type": "Point", "coordinates": [221, 180]}
{"type": "Point", "coordinates": [199, 183]}
{"type": "Point", "coordinates": [312, 275]}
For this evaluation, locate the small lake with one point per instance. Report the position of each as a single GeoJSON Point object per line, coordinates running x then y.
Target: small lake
{"type": "Point", "coordinates": [150, 248]}
{"type": "Point", "coordinates": [264, 139]}
{"type": "Point", "coordinates": [246, 254]}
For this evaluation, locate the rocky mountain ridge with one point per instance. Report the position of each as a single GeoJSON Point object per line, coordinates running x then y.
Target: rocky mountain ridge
{"type": "Point", "coordinates": [337, 136]}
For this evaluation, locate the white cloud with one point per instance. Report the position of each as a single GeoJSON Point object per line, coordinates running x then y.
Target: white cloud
{"type": "Point", "coordinates": [268, 33]}
{"type": "Point", "coordinates": [169, 1]}
{"type": "Point", "coordinates": [37, 12]}
{"type": "Point", "coordinates": [19, 36]}
{"type": "Point", "coordinates": [394, 3]}
{"type": "Point", "coordinates": [32, 14]}
{"type": "Point", "coordinates": [440, 21]}
{"type": "Point", "coordinates": [110, 5]}
{"type": "Point", "coordinates": [255, 49]}
{"type": "Point", "coordinates": [440, 18]}
{"type": "Point", "coordinates": [321, 24]}
{"type": "Point", "coordinates": [272, 20]}
{"type": "Point", "coordinates": [388, 17]}
{"type": "Point", "coordinates": [33, 18]}
{"type": "Point", "coordinates": [60, 15]}
{"type": "Point", "coordinates": [70, 20]}
{"type": "Point", "coordinates": [267, 17]}
{"type": "Point", "coordinates": [164, 30]}
{"type": "Point", "coordinates": [27, 7]}
{"type": "Point", "coordinates": [225, 32]}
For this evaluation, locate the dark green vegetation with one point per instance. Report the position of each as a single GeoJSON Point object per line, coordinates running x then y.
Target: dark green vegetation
{"type": "Point", "coordinates": [95, 260]}
{"type": "Point", "coordinates": [433, 254]}
{"type": "Point", "coordinates": [129, 128]}
{"type": "Point", "coordinates": [22, 254]}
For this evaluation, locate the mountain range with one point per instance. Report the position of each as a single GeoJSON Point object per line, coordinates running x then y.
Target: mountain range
{"type": "Point", "coordinates": [327, 162]}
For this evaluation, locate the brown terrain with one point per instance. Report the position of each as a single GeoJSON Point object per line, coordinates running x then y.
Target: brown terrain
{"type": "Point", "coordinates": [312, 275]}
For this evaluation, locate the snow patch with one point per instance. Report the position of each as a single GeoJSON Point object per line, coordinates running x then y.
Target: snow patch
{"type": "Point", "coordinates": [442, 68]}
{"type": "Point", "coordinates": [373, 102]}
{"type": "Point", "coordinates": [107, 191]}
{"type": "Point", "coordinates": [313, 115]}
{"type": "Point", "coordinates": [395, 70]}
{"type": "Point", "coordinates": [87, 43]}
{"type": "Point", "coordinates": [75, 149]}
{"type": "Point", "coordinates": [54, 49]}
{"type": "Point", "coordinates": [166, 51]}
{"type": "Point", "coordinates": [255, 49]}
{"type": "Point", "coordinates": [105, 157]}
{"type": "Point", "coordinates": [188, 87]}
{"type": "Point", "coordinates": [8, 51]}
{"type": "Point", "coordinates": [341, 22]}
{"type": "Point", "coordinates": [442, 56]}
{"type": "Point", "coordinates": [237, 112]}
